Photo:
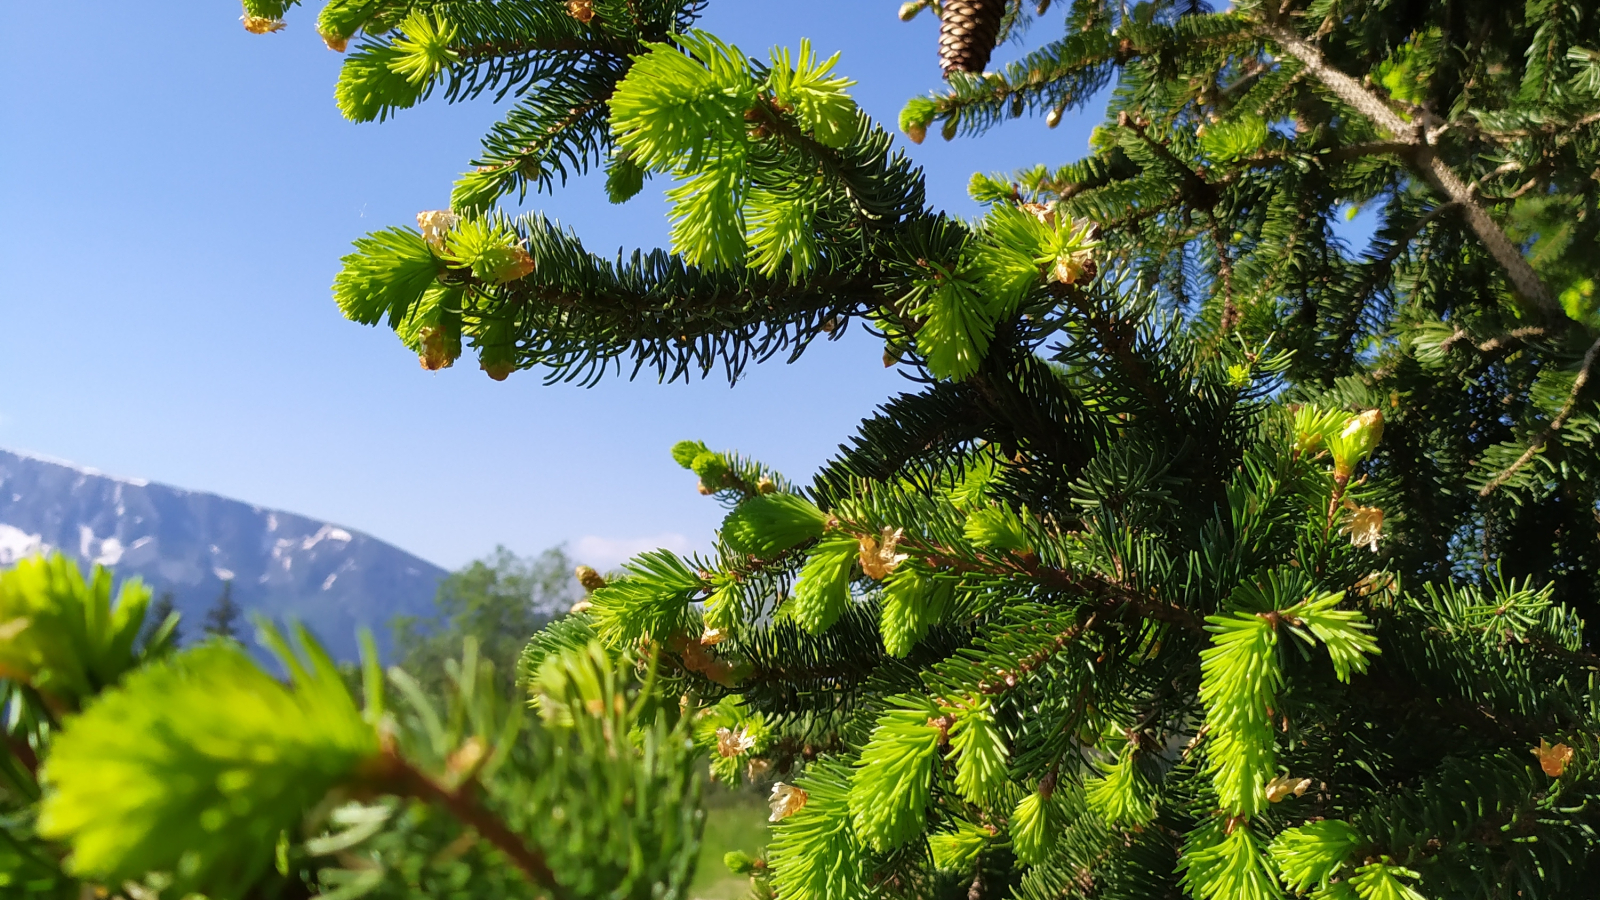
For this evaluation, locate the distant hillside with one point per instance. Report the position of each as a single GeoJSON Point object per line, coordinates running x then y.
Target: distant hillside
{"type": "Point", "coordinates": [281, 564]}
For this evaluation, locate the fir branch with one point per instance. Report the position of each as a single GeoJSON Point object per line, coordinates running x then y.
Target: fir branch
{"type": "Point", "coordinates": [1543, 437]}
{"type": "Point", "coordinates": [1192, 185]}
{"type": "Point", "coordinates": [1511, 340]}
{"type": "Point", "coordinates": [1380, 271]}
{"type": "Point", "coordinates": [1007, 680]}
{"type": "Point", "coordinates": [1109, 596]}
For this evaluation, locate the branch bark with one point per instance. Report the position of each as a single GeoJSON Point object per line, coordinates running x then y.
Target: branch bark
{"type": "Point", "coordinates": [393, 774]}
{"type": "Point", "coordinates": [1413, 142]}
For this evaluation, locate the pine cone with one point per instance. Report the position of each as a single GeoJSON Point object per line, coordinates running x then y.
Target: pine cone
{"type": "Point", "coordinates": [968, 32]}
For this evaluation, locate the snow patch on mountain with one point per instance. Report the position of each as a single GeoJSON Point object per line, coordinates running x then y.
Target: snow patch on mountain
{"type": "Point", "coordinates": [16, 543]}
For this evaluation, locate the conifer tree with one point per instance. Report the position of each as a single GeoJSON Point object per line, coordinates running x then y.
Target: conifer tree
{"type": "Point", "coordinates": [222, 619]}
{"type": "Point", "coordinates": [1212, 558]}
{"type": "Point", "coordinates": [157, 618]}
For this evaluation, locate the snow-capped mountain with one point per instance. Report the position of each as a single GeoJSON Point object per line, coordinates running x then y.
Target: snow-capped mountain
{"type": "Point", "coordinates": [187, 542]}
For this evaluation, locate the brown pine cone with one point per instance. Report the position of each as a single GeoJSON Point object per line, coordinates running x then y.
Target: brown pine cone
{"type": "Point", "coordinates": [968, 32]}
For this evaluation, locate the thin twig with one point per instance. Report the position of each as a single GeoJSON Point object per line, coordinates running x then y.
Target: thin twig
{"type": "Point", "coordinates": [1509, 340]}
{"type": "Point", "coordinates": [1517, 336]}
{"type": "Point", "coordinates": [1544, 436]}
{"type": "Point", "coordinates": [1192, 185]}
{"type": "Point", "coordinates": [1503, 169]}
{"type": "Point", "coordinates": [1378, 268]}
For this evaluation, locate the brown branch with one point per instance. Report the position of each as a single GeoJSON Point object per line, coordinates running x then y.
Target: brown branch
{"type": "Point", "coordinates": [1112, 596]}
{"type": "Point", "coordinates": [1421, 153]}
{"type": "Point", "coordinates": [1230, 311]}
{"type": "Point", "coordinates": [1500, 342]}
{"type": "Point", "coordinates": [770, 118]}
{"type": "Point", "coordinates": [24, 754]}
{"type": "Point", "coordinates": [393, 774]}
{"type": "Point", "coordinates": [1543, 437]}
{"type": "Point", "coordinates": [1117, 336]}
{"type": "Point", "coordinates": [1503, 169]}
{"type": "Point", "coordinates": [574, 114]}
{"type": "Point", "coordinates": [1527, 186]}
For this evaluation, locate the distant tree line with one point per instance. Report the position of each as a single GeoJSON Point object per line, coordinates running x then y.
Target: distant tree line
{"type": "Point", "coordinates": [499, 600]}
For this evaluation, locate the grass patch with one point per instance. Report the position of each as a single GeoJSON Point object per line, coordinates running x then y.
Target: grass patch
{"type": "Point", "coordinates": [734, 821]}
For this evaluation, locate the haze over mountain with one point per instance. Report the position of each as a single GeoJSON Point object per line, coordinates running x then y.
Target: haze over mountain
{"type": "Point", "coordinates": [282, 564]}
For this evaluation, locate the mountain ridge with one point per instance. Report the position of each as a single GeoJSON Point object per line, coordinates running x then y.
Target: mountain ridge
{"type": "Point", "coordinates": [187, 542]}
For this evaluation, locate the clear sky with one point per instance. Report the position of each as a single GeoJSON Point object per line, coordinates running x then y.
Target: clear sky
{"type": "Point", "coordinates": [177, 194]}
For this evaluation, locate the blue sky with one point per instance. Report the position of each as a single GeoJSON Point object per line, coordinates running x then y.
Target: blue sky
{"type": "Point", "coordinates": [177, 194]}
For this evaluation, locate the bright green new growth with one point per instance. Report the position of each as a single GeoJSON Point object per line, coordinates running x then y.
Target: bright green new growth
{"type": "Point", "coordinates": [701, 115]}
{"type": "Point", "coordinates": [196, 766]}
{"type": "Point", "coordinates": [684, 453]}
{"type": "Point", "coordinates": [1034, 825]}
{"type": "Point", "coordinates": [980, 752]}
{"type": "Point", "coordinates": [1380, 881]}
{"type": "Point", "coordinates": [822, 593]}
{"type": "Point", "coordinates": [913, 602]}
{"type": "Point", "coordinates": [1120, 796]}
{"type": "Point", "coordinates": [423, 49]}
{"type": "Point", "coordinates": [814, 850]}
{"type": "Point", "coordinates": [489, 247]}
{"type": "Point", "coordinates": [1308, 856]}
{"type": "Point", "coordinates": [651, 601]}
{"type": "Point", "coordinates": [371, 87]}
{"type": "Point", "coordinates": [672, 102]}
{"type": "Point", "coordinates": [380, 78]}
{"type": "Point", "coordinates": [386, 276]}
{"type": "Point", "coordinates": [1315, 427]}
{"type": "Point", "coordinates": [817, 96]}
{"type": "Point", "coordinates": [1014, 252]}
{"type": "Point", "coordinates": [1344, 632]}
{"type": "Point", "coordinates": [768, 524]}
{"type": "Point", "coordinates": [957, 321]}
{"type": "Point", "coordinates": [64, 636]}
{"type": "Point", "coordinates": [1233, 140]}
{"type": "Point", "coordinates": [957, 851]}
{"type": "Point", "coordinates": [890, 787]}
{"type": "Point", "coordinates": [996, 528]}
{"type": "Point", "coordinates": [1240, 677]}
{"type": "Point", "coordinates": [1226, 862]}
